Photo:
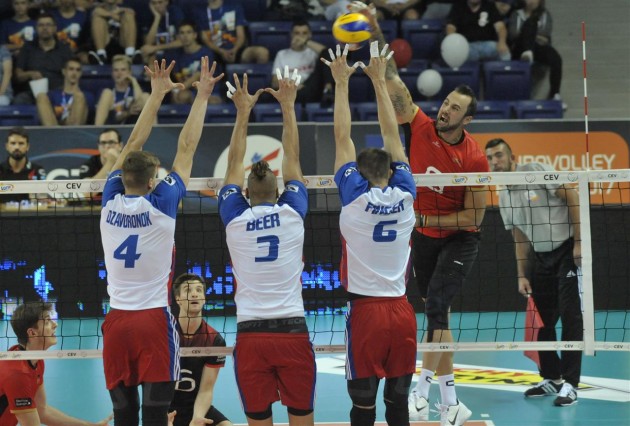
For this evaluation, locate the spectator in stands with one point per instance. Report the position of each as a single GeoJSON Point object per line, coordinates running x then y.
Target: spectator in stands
{"type": "Point", "coordinates": [335, 8]}
{"type": "Point", "coordinates": [121, 104]}
{"type": "Point", "coordinates": [222, 25]}
{"type": "Point", "coordinates": [481, 24]}
{"type": "Point", "coordinates": [109, 147]}
{"type": "Point", "coordinates": [114, 31]}
{"type": "Point", "coordinates": [291, 10]}
{"type": "Point", "coordinates": [530, 32]}
{"type": "Point", "coordinates": [6, 72]}
{"type": "Point", "coordinates": [303, 55]}
{"type": "Point", "coordinates": [397, 9]}
{"type": "Point", "coordinates": [42, 58]}
{"type": "Point", "coordinates": [72, 27]}
{"type": "Point", "coordinates": [505, 8]}
{"type": "Point", "coordinates": [188, 65]}
{"type": "Point", "coordinates": [18, 166]}
{"type": "Point", "coordinates": [15, 31]}
{"type": "Point", "coordinates": [66, 106]}
{"type": "Point", "coordinates": [437, 9]}
{"type": "Point", "coordinates": [159, 28]}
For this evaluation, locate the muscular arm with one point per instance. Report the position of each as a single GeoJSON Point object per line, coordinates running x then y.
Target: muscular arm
{"type": "Point", "coordinates": [344, 147]}
{"type": "Point", "coordinates": [291, 169]}
{"type": "Point", "coordinates": [470, 217]}
{"type": "Point", "coordinates": [387, 121]}
{"type": "Point", "coordinates": [203, 401]}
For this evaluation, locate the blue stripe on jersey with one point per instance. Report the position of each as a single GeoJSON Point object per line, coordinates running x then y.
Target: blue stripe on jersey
{"type": "Point", "coordinates": [238, 384]}
{"type": "Point", "coordinates": [314, 379]}
{"type": "Point", "coordinates": [350, 182]}
{"type": "Point", "coordinates": [173, 344]}
{"type": "Point", "coordinates": [232, 203]}
{"type": "Point", "coordinates": [295, 195]}
{"type": "Point", "coordinates": [402, 178]}
{"type": "Point", "coordinates": [350, 369]}
{"type": "Point", "coordinates": [113, 187]}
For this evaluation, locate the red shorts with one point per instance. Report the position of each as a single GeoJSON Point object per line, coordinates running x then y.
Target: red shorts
{"type": "Point", "coordinates": [274, 367]}
{"type": "Point", "coordinates": [380, 338]}
{"type": "Point", "coordinates": [140, 346]}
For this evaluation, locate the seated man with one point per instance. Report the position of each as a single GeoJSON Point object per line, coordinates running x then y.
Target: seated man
{"type": "Point", "coordinates": [158, 27]}
{"type": "Point", "coordinates": [18, 166]}
{"type": "Point", "coordinates": [291, 10]}
{"type": "Point", "coordinates": [72, 27]}
{"type": "Point", "coordinates": [114, 31]}
{"type": "Point", "coordinates": [19, 29]}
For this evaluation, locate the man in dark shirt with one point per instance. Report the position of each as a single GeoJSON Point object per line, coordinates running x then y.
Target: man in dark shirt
{"type": "Point", "coordinates": [18, 166]}
{"type": "Point", "coordinates": [98, 166]}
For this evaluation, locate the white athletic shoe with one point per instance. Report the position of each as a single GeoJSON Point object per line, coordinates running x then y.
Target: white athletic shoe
{"type": "Point", "coordinates": [454, 415]}
{"type": "Point", "coordinates": [418, 407]}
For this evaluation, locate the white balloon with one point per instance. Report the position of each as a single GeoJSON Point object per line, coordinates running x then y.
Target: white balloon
{"type": "Point", "coordinates": [429, 82]}
{"type": "Point", "coordinates": [455, 50]}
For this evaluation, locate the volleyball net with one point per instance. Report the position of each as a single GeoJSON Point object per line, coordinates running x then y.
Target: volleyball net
{"type": "Point", "coordinates": [51, 250]}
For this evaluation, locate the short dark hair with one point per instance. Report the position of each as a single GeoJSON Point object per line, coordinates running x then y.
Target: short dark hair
{"type": "Point", "coordinates": [26, 316]}
{"type": "Point", "coordinates": [300, 23]}
{"type": "Point", "coordinates": [183, 279]}
{"type": "Point", "coordinates": [496, 142]}
{"type": "Point", "coordinates": [110, 129]}
{"type": "Point", "coordinates": [187, 23]}
{"type": "Point", "coordinates": [374, 164]}
{"type": "Point", "coordinates": [20, 131]}
{"type": "Point", "coordinates": [73, 59]}
{"type": "Point", "coordinates": [465, 90]}
{"type": "Point", "coordinates": [138, 168]}
{"type": "Point", "coordinates": [44, 15]}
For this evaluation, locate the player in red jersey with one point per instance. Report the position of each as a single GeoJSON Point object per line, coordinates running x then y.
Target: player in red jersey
{"type": "Point", "coordinates": [22, 392]}
{"type": "Point", "coordinates": [447, 238]}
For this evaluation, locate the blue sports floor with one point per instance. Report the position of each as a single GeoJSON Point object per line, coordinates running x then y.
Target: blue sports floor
{"type": "Point", "coordinates": [490, 383]}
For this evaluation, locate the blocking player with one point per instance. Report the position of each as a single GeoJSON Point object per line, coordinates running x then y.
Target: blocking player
{"type": "Point", "coordinates": [194, 392]}
{"type": "Point", "coordinates": [141, 346]}
{"type": "Point", "coordinates": [22, 391]}
{"type": "Point", "coordinates": [273, 357]}
{"type": "Point", "coordinates": [448, 219]}
{"type": "Point", "coordinates": [377, 193]}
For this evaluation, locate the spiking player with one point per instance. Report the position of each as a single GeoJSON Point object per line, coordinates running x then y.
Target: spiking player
{"type": "Point", "coordinates": [447, 241]}
{"type": "Point", "coordinates": [273, 357]}
{"type": "Point", "coordinates": [377, 193]}
{"type": "Point", "coordinates": [140, 344]}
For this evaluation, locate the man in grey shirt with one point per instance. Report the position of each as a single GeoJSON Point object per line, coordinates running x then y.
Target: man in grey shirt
{"type": "Point", "coordinates": [544, 219]}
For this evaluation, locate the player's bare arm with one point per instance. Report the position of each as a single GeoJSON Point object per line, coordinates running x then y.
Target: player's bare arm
{"type": "Point", "coordinates": [203, 401]}
{"type": "Point", "coordinates": [470, 217]}
{"type": "Point", "coordinates": [244, 102]}
{"type": "Point", "coordinates": [191, 132]}
{"type": "Point", "coordinates": [285, 95]}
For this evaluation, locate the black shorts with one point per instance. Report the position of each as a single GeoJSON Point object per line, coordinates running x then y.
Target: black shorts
{"type": "Point", "coordinates": [184, 417]}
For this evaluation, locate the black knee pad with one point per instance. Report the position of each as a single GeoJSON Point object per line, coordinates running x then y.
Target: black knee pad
{"type": "Point", "coordinates": [396, 393]}
{"type": "Point", "coordinates": [126, 405]}
{"type": "Point", "coordinates": [262, 415]}
{"type": "Point", "coordinates": [298, 412]}
{"type": "Point", "coordinates": [362, 416]}
{"type": "Point", "coordinates": [156, 399]}
{"type": "Point", "coordinates": [439, 302]}
{"type": "Point", "coordinates": [363, 391]}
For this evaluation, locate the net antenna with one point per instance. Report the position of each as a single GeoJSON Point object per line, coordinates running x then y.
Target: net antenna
{"type": "Point", "coordinates": [588, 153]}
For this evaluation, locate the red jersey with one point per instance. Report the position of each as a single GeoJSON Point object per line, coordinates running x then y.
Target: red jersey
{"type": "Point", "coordinates": [19, 382]}
{"type": "Point", "coordinates": [430, 154]}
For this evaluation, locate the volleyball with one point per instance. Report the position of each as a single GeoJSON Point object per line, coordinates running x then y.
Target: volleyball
{"type": "Point", "coordinates": [351, 28]}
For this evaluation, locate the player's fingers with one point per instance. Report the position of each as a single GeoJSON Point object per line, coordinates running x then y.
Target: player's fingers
{"type": "Point", "coordinates": [325, 61]}
{"type": "Point", "coordinates": [237, 82]}
{"type": "Point", "coordinates": [384, 50]}
{"type": "Point", "coordinates": [374, 49]}
{"type": "Point", "coordinates": [231, 89]}
{"type": "Point", "coordinates": [345, 50]}
{"type": "Point", "coordinates": [278, 74]}
{"type": "Point", "coordinates": [286, 72]}
{"type": "Point", "coordinates": [332, 54]}
{"type": "Point", "coordinates": [358, 64]}
{"type": "Point", "coordinates": [245, 82]}
{"type": "Point", "coordinates": [338, 50]}
{"type": "Point", "coordinates": [389, 56]}
{"type": "Point", "coordinates": [298, 79]}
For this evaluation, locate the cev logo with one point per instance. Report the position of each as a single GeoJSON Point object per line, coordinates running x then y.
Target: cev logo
{"type": "Point", "coordinates": [484, 179]}
{"type": "Point", "coordinates": [324, 182]}
{"type": "Point", "coordinates": [460, 179]}
{"type": "Point", "coordinates": [6, 187]}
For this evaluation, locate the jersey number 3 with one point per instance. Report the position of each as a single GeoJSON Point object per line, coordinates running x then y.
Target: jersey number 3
{"type": "Point", "coordinates": [274, 243]}
{"type": "Point", "coordinates": [128, 251]}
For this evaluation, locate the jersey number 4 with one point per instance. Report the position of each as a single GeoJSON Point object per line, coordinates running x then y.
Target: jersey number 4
{"type": "Point", "coordinates": [128, 251]}
{"type": "Point", "coordinates": [382, 235]}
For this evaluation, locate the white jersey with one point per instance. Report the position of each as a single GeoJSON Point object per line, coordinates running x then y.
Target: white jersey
{"type": "Point", "coordinates": [266, 247]}
{"type": "Point", "coordinates": [138, 236]}
{"type": "Point", "coordinates": [376, 226]}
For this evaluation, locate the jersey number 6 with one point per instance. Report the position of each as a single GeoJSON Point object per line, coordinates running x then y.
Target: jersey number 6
{"type": "Point", "coordinates": [382, 235]}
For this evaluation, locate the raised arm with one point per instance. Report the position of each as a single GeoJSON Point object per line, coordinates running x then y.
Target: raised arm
{"type": "Point", "coordinates": [191, 132]}
{"type": "Point", "coordinates": [386, 115]}
{"type": "Point", "coordinates": [285, 95]}
{"type": "Point", "coordinates": [244, 102]}
{"type": "Point", "coordinates": [161, 84]}
{"type": "Point", "coordinates": [341, 72]}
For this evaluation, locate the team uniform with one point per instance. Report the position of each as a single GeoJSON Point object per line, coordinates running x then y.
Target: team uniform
{"type": "Point", "coordinates": [442, 257]}
{"type": "Point", "coordinates": [62, 101]}
{"type": "Point", "coordinates": [273, 357]}
{"type": "Point", "coordinates": [31, 171]}
{"type": "Point", "coordinates": [376, 226]}
{"type": "Point", "coordinates": [140, 342]}
{"type": "Point", "coordinates": [19, 382]}
{"type": "Point", "coordinates": [543, 217]}
{"type": "Point", "coordinates": [192, 368]}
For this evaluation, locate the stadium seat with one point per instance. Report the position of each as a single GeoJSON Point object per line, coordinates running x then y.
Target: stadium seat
{"type": "Point", "coordinates": [493, 110]}
{"type": "Point", "coordinates": [409, 75]}
{"type": "Point", "coordinates": [315, 112]}
{"type": "Point", "coordinates": [221, 113]}
{"type": "Point", "coordinates": [95, 78]}
{"type": "Point", "coordinates": [173, 113]}
{"type": "Point", "coordinates": [538, 109]}
{"type": "Point", "coordinates": [507, 80]}
{"type": "Point", "coordinates": [258, 77]}
{"type": "Point", "coordinates": [19, 115]}
{"type": "Point", "coordinates": [254, 9]}
{"type": "Point", "coordinates": [322, 33]}
{"type": "Point", "coordinates": [366, 111]}
{"type": "Point", "coordinates": [360, 88]}
{"type": "Point", "coordinates": [451, 78]}
{"type": "Point", "coordinates": [430, 108]}
{"type": "Point", "coordinates": [423, 35]}
{"type": "Point", "coordinates": [274, 35]}
{"type": "Point", "coordinates": [271, 113]}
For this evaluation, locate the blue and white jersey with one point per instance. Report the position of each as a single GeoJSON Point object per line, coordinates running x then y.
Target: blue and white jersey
{"type": "Point", "coordinates": [266, 246]}
{"type": "Point", "coordinates": [138, 236]}
{"type": "Point", "coordinates": [376, 227]}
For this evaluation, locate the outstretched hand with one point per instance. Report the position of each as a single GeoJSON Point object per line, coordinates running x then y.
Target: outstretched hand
{"type": "Point", "coordinates": [339, 68]}
{"type": "Point", "coordinates": [207, 80]}
{"type": "Point", "coordinates": [378, 62]}
{"type": "Point", "coordinates": [161, 82]}
{"type": "Point", "coordinates": [239, 94]}
{"type": "Point", "coordinates": [287, 86]}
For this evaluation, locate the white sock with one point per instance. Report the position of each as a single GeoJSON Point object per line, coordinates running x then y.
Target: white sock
{"type": "Point", "coordinates": [129, 51]}
{"type": "Point", "coordinates": [102, 52]}
{"type": "Point", "coordinates": [447, 389]}
{"type": "Point", "coordinates": [424, 384]}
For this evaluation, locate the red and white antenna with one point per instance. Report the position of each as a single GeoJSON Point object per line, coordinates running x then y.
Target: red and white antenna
{"type": "Point", "coordinates": [588, 160]}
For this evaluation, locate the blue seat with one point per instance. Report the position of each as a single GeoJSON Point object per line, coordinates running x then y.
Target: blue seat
{"type": "Point", "coordinates": [423, 35]}
{"type": "Point", "coordinates": [271, 113]}
{"type": "Point", "coordinates": [360, 88]}
{"type": "Point", "coordinates": [430, 108]}
{"type": "Point", "coordinates": [315, 112]}
{"type": "Point", "coordinates": [274, 35]}
{"type": "Point", "coordinates": [173, 113]}
{"type": "Point", "coordinates": [451, 78]}
{"type": "Point", "coordinates": [366, 111]}
{"type": "Point", "coordinates": [19, 115]}
{"type": "Point", "coordinates": [538, 109]}
{"type": "Point", "coordinates": [221, 113]}
{"type": "Point", "coordinates": [95, 78]}
{"type": "Point", "coordinates": [409, 75]}
{"type": "Point", "coordinates": [322, 33]}
{"type": "Point", "coordinates": [507, 80]}
{"type": "Point", "coordinates": [258, 77]}
{"type": "Point", "coordinates": [493, 110]}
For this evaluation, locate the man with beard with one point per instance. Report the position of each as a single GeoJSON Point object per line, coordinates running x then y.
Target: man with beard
{"type": "Point", "coordinates": [18, 166]}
